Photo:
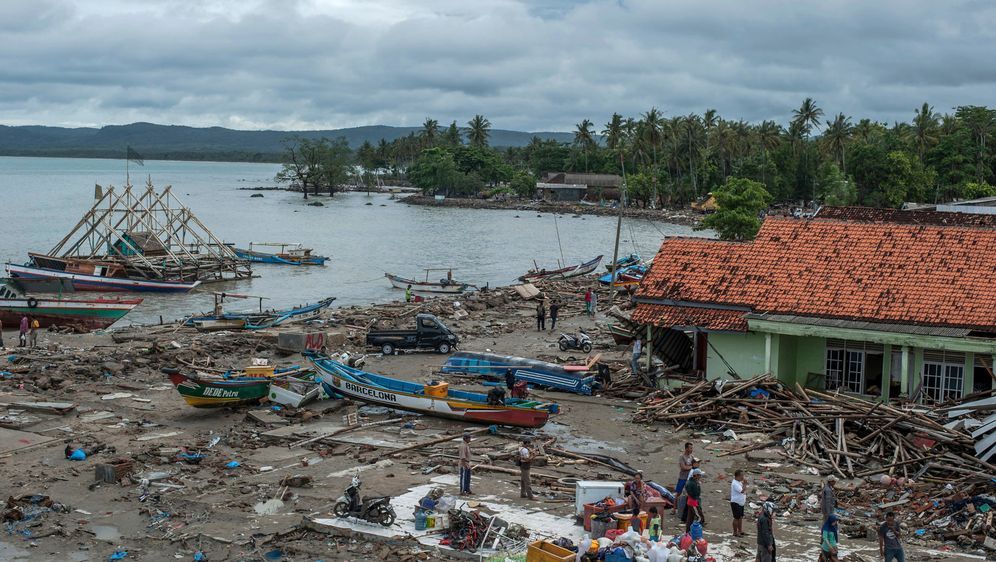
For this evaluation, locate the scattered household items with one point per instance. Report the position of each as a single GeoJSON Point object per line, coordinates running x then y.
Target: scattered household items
{"type": "Point", "coordinates": [579, 340]}
{"type": "Point", "coordinates": [221, 320]}
{"type": "Point", "coordinates": [578, 379]}
{"type": "Point", "coordinates": [82, 315]}
{"type": "Point", "coordinates": [291, 253]}
{"type": "Point", "coordinates": [375, 509]}
{"type": "Point", "coordinates": [429, 333]}
{"type": "Point", "coordinates": [432, 399]}
{"type": "Point", "coordinates": [543, 274]}
{"type": "Point", "coordinates": [444, 285]}
{"type": "Point", "coordinates": [145, 242]}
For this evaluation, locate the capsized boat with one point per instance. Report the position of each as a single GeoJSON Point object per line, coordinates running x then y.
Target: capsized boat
{"type": "Point", "coordinates": [429, 399]}
{"type": "Point", "coordinates": [445, 285]}
{"type": "Point", "coordinates": [232, 388]}
{"type": "Point", "coordinates": [626, 276]}
{"type": "Point", "coordinates": [569, 378]}
{"type": "Point", "coordinates": [541, 274]}
{"type": "Point", "coordinates": [96, 279]}
{"type": "Point", "coordinates": [221, 320]}
{"type": "Point", "coordinates": [81, 314]}
{"type": "Point", "coordinates": [291, 253]}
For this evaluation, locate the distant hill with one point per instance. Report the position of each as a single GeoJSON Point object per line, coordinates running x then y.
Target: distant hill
{"type": "Point", "coordinates": [196, 143]}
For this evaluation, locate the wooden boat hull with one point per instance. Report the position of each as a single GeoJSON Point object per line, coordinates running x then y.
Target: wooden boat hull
{"type": "Point", "coordinates": [295, 391]}
{"type": "Point", "coordinates": [201, 392]}
{"type": "Point", "coordinates": [563, 273]}
{"type": "Point", "coordinates": [255, 320]}
{"type": "Point", "coordinates": [81, 314]}
{"type": "Point", "coordinates": [83, 282]}
{"type": "Point", "coordinates": [464, 406]}
{"type": "Point", "coordinates": [624, 262]}
{"type": "Point", "coordinates": [423, 287]}
{"type": "Point", "coordinates": [277, 259]}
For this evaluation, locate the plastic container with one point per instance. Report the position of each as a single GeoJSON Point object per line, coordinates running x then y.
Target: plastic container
{"type": "Point", "coordinates": [260, 371]}
{"type": "Point", "coordinates": [543, 551]}
{"type": "Point", "coordinates": [438, 390]}
{"type": "Point", "coordinates": [590, 509]}
{"type": "Point", "coordinates": [430, 521]}
{"type": "Point", "coordinates": [696, 531]}
{"type": "Point", "coordinates": [598, 527]}
{"type": "Point", "coordinates": [420, 520]}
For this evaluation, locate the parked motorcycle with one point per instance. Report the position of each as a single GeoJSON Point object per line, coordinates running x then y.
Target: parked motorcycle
{"type": "Point", "coordinates": [579, 340]}
{"type": "Point", "coordinates": [372, 509]}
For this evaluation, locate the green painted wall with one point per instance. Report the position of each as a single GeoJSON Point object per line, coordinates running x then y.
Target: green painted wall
{"type": "Point", "coordinates": [744, 352]}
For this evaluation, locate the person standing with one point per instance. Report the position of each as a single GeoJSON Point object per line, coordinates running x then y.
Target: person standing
{"type": "Point", "coordinates": [554, 310]}
{"type": "Point", "coordinates": [587, 302]}
{"type": "Point", "coordinates": [540, 316]}
{"type": "Point", "coordinates": [634, 362]}
{"type": "Point", "coordinates": [465, 466]}
{"type": "Point", "coordinates": [693, 506]}
{"type": "Point", "coordinates": [509, 379]}
{"type": "Point", "coordinates": [766, 533]}
{"type": "Point", "coordinates": [1, 334]}
{"type": "Point", "coordinates": [594, 303]}
{"type": "Point", "coordinates": [525, 462]}
{"type": "Point", "coordinates": [22, 333]}
{"type": "Point", "coordinates": [408, 294]}
{"type": "Point", "coordinates": [685, 462]}
{"type": "Point", "coordinates": [889, 545]}
{"type": "Point", "coordinates": [33, 332]}
{"type": "Point", "coordinates": [738, 498]}
{"type": "Point", "coordinates": [828, 498]}
{"type": "Point", "coordinates": [828, 541]}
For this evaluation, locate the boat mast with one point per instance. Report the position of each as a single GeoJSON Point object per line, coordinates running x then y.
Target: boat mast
{"type": "Point", "coordinates": [615, 250]}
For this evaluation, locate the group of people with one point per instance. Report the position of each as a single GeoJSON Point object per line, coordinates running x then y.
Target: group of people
{"type": "Point", "coordinates": [541, 315]}
{"type": "Point", "coordinates": [27, 332]}
{"type": "Point", "coordinates": [524, 457]}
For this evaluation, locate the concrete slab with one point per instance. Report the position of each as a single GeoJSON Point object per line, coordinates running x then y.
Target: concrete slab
{"type": "Point", "coordinates": [12, 440]}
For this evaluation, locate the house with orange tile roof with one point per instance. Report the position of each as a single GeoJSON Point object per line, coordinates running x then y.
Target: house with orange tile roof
{"type": "Point", "coordinates": [876, 303]}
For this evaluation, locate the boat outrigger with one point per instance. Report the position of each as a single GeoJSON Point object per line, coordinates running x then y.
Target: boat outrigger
{"type": "Point", "coordinates": [291, 253]}
{"type": "Point", "coordinates": [221, 320]}
{"type": "Point", "coordinates": [433, 399]}
{"type": "Point", "coordinates": [542, 274]}
{"type": "Point", "coordinates": [446, 285]}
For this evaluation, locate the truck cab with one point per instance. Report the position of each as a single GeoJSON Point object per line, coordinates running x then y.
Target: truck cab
{"type": "Point", "coordinates": [429, 333]}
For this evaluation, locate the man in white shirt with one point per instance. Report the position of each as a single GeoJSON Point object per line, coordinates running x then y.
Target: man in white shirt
{"type": "Point", "coordinates": [738, 498]}
{"type": "Point", "coordinates": [525, 462]}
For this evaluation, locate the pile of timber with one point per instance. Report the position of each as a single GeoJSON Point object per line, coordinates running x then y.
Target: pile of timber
{"type": "Point", "coordinates": [833, 433]}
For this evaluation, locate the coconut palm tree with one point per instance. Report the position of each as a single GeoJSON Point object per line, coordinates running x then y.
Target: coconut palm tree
{"type": "Point", "coordinates": [584, 137]}
{"type": "Point", "coordinates": [652, 130]}
{"type": "Point", "coordinates": [924, 129]}
{"type": "Point", "coordinates": [769, 136]}
{"type": "Point", "coordinates": [835, 139]}
{"type": "Point", "coordinates": [710, 119]}
{"type": "Point", "coordinates": [429, 132]}
{"type": "Point", "coordinates": [613, 132]}
{"type": "Point", "coordinates": [478, 131]}
{"type": "Point", "coordinates": [808, 116]}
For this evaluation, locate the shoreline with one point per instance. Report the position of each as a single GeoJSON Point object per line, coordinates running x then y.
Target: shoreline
{"type": "Point", "coordinates": [674, 216]}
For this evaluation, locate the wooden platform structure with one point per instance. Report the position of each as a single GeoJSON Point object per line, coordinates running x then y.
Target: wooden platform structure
{"type": "Point", "coordinates": [151, 235]}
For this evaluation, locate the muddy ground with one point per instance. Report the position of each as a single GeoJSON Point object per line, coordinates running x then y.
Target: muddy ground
{"type": "Point", "coordinates": [126, 405]}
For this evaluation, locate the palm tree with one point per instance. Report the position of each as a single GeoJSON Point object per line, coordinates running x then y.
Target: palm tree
{"type": "Point", "coordinates": [835, 138]}
{"type": "Point", "coordinates": [709, 119]}
{"type": "Point", "coordinates": [584, 137]}
{"type": "Point", "coordinates": [614, 132]}
{"type": "Point", "coordinates": [769, 136]}
{"type": "Point", "coordinates": [808, 116]}
{"type": "Point", "coordinates": [692, 129]}
{"type": "Point", "coordinates": [479, 129]}
{"type": "Point", "coordinates": [864, 129]}
{"type": "Point", "coordinates": [652, 130]}
{"type": "Point", "coordinates": [430, 131]}
{"type": "Point", "coordinates": [924, 129]}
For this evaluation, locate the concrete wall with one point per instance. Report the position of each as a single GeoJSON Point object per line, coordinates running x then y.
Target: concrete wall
{"type": "Point", "coordinates": [744, 352]}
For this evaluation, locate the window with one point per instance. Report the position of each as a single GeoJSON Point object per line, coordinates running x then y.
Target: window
{"type": "Point", "coordinates": [943, 375]}
{"type": "Point", "coordinates": [983, 380]}
{"type": "Point", "coordinates": [854, 366]}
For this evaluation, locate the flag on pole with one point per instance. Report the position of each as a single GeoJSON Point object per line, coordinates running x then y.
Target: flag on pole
{"type": "Point", "coordinates": [135, 157]}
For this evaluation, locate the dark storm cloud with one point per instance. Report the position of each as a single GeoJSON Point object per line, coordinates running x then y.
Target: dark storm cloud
{"type": "Point", "coordinates": [537, 65]}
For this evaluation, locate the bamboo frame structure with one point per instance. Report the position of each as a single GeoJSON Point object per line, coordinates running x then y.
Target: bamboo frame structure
{"type": "Point", "coordinates": [182, 248]}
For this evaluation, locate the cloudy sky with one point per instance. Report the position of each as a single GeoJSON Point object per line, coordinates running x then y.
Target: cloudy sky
{"type": "Point", "coordinates": [528, 65]}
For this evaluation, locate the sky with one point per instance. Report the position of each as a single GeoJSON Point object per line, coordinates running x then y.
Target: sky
{"type": "Point", "coordinates": [540, 65]}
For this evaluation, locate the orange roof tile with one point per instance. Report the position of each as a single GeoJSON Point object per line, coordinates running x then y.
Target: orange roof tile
{"type": "Point", "coordinates": [669, 316]}
{"type": "Point", "coordinates": [873, 271]}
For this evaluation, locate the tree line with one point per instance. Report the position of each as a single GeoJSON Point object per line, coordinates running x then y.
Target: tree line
{"type": "Point", "coordinates": [672, 160]}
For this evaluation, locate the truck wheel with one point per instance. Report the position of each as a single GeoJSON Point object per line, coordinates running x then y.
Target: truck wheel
{"type": "Point", "coordinates": [563, 345]}
{"type": "Point", "coordinates": [586, 347]}
{"type": "Point", "coordinates": [387, 349]}
{"type": "Point", "coordinates": [444, 348]}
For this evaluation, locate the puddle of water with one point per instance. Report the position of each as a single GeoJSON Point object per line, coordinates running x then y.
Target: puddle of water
{"type": "Point", "coordinates": [269, 507]}
{"type": "Point", "coordinates": [567, 440]}
{"type": "Point", "coordinates": [105, 533]}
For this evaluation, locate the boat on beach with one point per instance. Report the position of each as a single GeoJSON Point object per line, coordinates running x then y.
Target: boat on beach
{"type": "Point", "coordinates": [80, 314]}
{"type": "Point", "coordinates": [221, 320]}
{"type": "Point", "coordinates": [434, 399]}
{"type": "Point", "coordinates": [624, 262]}
{"type": "Point", "coordinates": [568, 378]}
{"type": "Point", "coordinates": [626, 276]}
{"type": "Point", "coordinates": [95, 278]}
{"type": "Point", "coordinates": [232, 388]}
{"type": "Point", "coordinates": [542, 274]}
{"type": "Point", "coordinates": [446, 285]}
{"type": "Point", "coordinates": [291, 253]}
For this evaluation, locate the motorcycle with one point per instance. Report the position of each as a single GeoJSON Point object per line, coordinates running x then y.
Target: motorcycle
{"type": "Point", "coordinates": [372, 509]}
{"type": "Point", "coordinates": [575, 341]}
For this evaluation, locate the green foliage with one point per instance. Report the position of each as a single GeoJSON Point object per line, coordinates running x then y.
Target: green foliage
{"type": "Point", "coordinates": [906, 179]}
{"type": "Point", "coordinates": [974, 190]}
{"type": "Point", "coordinates": [523, 183]}
{"type": "Point", "coordinates": [833, 188]}
{"type": "Point", "coordinates": [739, 204]}
{"type": "Point", "coordinates": [641, 189]}
{"type": "Point", "coordinates": [318, 164]}
{"type": "Point", "coordinates": [435, 171]}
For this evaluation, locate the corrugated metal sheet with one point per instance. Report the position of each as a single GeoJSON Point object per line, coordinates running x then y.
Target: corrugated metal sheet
{"type": "Point", "coordinates": [862, 325]}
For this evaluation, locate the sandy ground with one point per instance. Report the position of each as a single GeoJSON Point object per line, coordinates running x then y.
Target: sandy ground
{"type": "Point", "coordinates": [220, 510]}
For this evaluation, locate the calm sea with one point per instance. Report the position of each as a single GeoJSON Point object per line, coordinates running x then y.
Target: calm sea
{"type": "Point", "coordinates": [365, 235]}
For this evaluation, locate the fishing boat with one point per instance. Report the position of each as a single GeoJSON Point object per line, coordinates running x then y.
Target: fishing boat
{"type": "Point", "coordinates": [434, 399]}
{"type": "Point", "coordinates": [221, 320]}
{"type": "Point", "coordinates": [626, 276]}
{"type": "Point", "coordinates": [568, 378]}
{"type": "Point", "coordinates": [624, 262]}
{"type": "Point", "coordinates": [542, 274]}
{"type": "Point", "coordinates": [97, 281]}
{"type": "Point", "coordinates": [295, 390]}
{"type": "Point", "coordinates": [80, 314]}
{"type": "Point", "coordinates": [289, 254]}
{"type": "Point", "coordinates": [232, 388]}
{"type": "Point", "coordinates": [446, 285]}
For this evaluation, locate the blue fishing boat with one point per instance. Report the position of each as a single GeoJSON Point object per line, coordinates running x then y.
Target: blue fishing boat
{"type": "Point", "coordinates": [289, 254]}
{"type": "Point", "coordinates": [624, 261]}
{"type": "Point", "coordinates": [568, 378]}
{"type": "Point", "coordinates": [629, 275]}
{"type": "Point", "coordinates": [251, 320]}
{"type": "Point", "coordinates": [432, 399]}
